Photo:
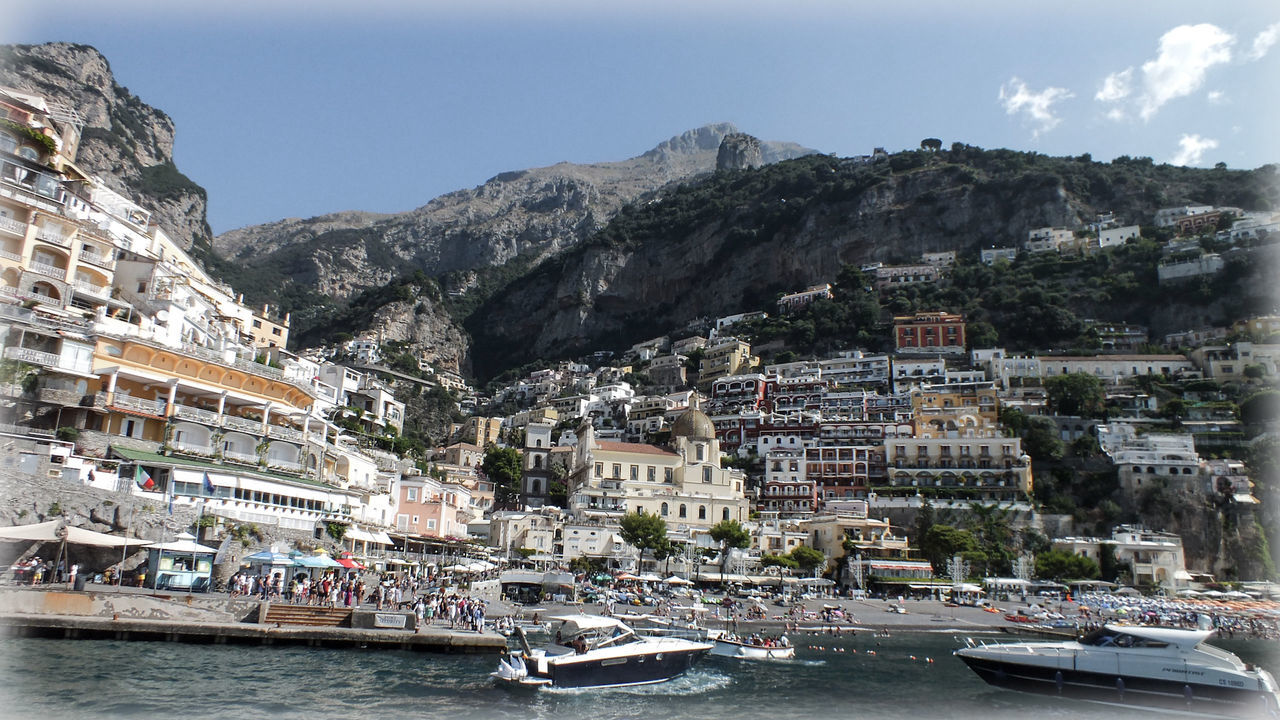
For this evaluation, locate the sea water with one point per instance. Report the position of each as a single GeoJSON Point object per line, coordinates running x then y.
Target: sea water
{"type": "Point", "coordinates": [907, 676]}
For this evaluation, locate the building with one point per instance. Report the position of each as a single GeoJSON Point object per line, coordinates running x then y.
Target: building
{"type": "Point", "coordinates": [1153, 558]}
{"type": "Point", "coordinates": [1115, 369]}
{"type": "Point", "coordinates": [989, 256]}
{"type": "Point", "coordinates": [478, 431]}
{"type": "Point", "coordinates": [980, 468]}
{"type": "Point", "coordinates": [728, 356]}
{"type": "Point", "coordinates": [929, 332]}
{"type": "Point", "coordinates": [794, 301]}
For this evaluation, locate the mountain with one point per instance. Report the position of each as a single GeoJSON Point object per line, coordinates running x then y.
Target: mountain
{"type": "Point", "coordinates": [527, 214]}
{"type": "Point", "coordinates": [735, 241]}
{"type": "Point", "coordinates": [124, 141]}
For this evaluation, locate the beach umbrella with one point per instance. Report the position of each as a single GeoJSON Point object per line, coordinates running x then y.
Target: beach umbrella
{"type": "Point", "coordinates": [677, 580]}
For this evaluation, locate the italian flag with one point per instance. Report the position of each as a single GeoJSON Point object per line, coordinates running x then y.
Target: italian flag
{"type": "Point", "coordinates": [143, 478]}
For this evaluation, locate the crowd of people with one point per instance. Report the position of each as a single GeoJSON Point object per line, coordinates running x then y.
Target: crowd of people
{"type": "Point", "coordinates": [1255, 619]}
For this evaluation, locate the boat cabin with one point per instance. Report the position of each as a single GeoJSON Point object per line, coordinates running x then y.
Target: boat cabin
{"type": "Point", "coordinates": [590, 632]}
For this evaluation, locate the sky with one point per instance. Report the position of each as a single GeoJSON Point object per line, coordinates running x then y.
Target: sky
{"type": "Point", "coordinates": [286, 108]}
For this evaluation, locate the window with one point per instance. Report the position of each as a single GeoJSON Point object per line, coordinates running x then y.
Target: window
{"type": "Point", "coordinates": [431, 524]}
{"type": "Point", "coordinates": [702, 512]}
{"type": "Point", "coordinates": [725, 514]}
{"type": "Point", "coordinates": [706, 474]}
{"type": "Point", "coordinates": [275, 331]}
{"type": "Point", "coordinates": [652, 474]}
{"type": "Point", "coordinates": [635, 473]}
{"type": "Point", "coordinates": [411, 494]}
{"type": "Point", "coordinates": [599, 469]}
{"type": "Point", "coordinates": [684, 511]}
{"type": "Point", "coordinates": [257, 324]}
{"type": "Point", "coordinates": [700, 451]}
{"type": "Point", "coordinates": [617, 471]}
{"type": "Point", "coordinates": [415, 519]}
{"type": "Point", "coordinates": [665, 509]}
{"type": "Point", "coordinates": [668, 475]}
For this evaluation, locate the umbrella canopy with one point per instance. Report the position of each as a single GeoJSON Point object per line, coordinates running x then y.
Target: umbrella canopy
{"type": "Point", "coordinates": [677, 580]}
{"type": "Point", "coordinates": [268, 557]}
{"type": "Point", "coordinates": [649, 577]}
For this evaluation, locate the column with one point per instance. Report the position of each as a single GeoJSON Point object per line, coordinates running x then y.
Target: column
{"type": "Point", "coordinates": [173, 397]}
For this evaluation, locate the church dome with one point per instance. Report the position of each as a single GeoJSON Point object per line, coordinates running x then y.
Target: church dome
{"type": "Point", "coordinates": [695, 425]}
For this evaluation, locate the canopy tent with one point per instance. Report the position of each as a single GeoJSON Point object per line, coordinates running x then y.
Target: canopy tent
{"type": "Point", "coordinates": [183, 546]}
{"type": "Point", "coordinates": [58, 531]}
{"type": "Point", "coordinates": [677, 580]}
{"type": "Point", "coordinates": [268, 557]}
{"type": "Point", "coordinates": [313, 561]}
{"type": "Point", "coordinates": [349, 563]}
{"type": "Point", "coordinates": [649, 577]}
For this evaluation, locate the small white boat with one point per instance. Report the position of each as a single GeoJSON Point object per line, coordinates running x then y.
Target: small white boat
{"type": "Point", "coordinates": [743, 648]}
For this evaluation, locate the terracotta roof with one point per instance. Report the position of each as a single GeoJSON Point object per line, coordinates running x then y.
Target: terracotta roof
{"type": "Point", "coordinates": [610, 446]}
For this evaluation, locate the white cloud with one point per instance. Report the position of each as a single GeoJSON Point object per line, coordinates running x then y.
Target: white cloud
{"type": "Point", "coordinates": [1116, 86]}
{"type": "Point", "coordinates": [1016, 98]}
{"type": "Point", "coordinates": [1191, 149]}
{"type": "Point", "coordinates": [1216, 97]}
{"type": "Point", "coordinates": [1186, 54]}
{"type": "Point", "coordinates": [1264, 40]}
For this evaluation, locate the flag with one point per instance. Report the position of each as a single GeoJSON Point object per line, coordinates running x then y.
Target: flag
{"type": "Point", "coordinates": [143, 478]}
{"type": "Point", "coordinates": [208, 484]}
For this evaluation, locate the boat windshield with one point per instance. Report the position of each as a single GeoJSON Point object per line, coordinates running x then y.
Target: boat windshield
{"type": "Point", "coordinates": [1104, 637]}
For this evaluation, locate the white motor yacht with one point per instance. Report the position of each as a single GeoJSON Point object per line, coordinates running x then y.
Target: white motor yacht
{"type": "Point", "coordinates": [1137, 666]}
{"type": "Point", "coordinates": [596, 651]}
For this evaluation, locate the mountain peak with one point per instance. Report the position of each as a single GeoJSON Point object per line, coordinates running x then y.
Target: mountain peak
{"type": "Point", "coordinates": [704, 139]}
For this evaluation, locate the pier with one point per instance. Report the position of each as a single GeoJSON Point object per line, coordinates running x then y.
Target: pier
{"type": "Point", "coordinates": [223, 621]}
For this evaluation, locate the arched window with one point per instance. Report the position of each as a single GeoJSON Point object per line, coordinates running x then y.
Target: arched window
{"type": "Point", "coordinates": [536, 487]}
{"type": "Point", "coordinates": [702, 512]}
{"type": "Point", "coordinates": [700, 451]}
{"type": "Point", "coordinates": [665, 509]}
{"type": "Point", "coordinates": [684, 511]}
{"type": "Point", "coordinates": [537, 461]}
{"type": "Point", "coordinates": [724, 515]}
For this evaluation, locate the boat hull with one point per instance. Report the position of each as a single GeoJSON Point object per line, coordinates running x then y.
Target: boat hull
{"type": "Point", "coordinates": [1132, 691]}
{"type": "Point", "coordinates": [638, 669]}
{"type": "Point", "coordinates": [743, 651]}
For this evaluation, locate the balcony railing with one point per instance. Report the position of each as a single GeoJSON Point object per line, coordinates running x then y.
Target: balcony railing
{"type": "Point", "coordinates": [193, 449]}
{"type": "Point", "coordinates": [54, 272]}
{"type": "Point", "coordinates": [10, 256]}
{"type": "Point", "coordinates": [50, 235]}
{"type": "Point", "coordinates": [36, 357]}
{"type": "Point", "coordinates": [16, 227]}
{"type": "Point", "coordinates": [153, 407]}
{"type": "Point", "coordinates": [289, 465]}
{"type": "Point", "coordinates": [104, 261]}
{"type": "Point", "coordinates": [232, 422]}
{"type": "Point", "coordinates": [285, 433]}
{"type": "Point", "coordinates": [97, 290]}
{"type": "Point", "coordinates": [185, 412]}
{"type": "Point", "coordinates": [240, 457]}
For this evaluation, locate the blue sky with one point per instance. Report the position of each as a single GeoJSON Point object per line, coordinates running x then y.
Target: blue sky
{"type": "Point", "coordinates": [295, 109]}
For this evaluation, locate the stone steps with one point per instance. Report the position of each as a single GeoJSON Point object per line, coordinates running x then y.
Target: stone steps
{"type": "Point", "coordinates": [283, 614]}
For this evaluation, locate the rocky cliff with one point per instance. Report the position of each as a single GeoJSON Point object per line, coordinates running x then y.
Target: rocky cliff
{"type": "Point", "coordinates": [126, 142]}
{"type": "Point", "coordinates": [530, 214]}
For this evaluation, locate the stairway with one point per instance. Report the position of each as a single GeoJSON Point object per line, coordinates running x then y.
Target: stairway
{"type": "Point", "coordinates": [284, 614]}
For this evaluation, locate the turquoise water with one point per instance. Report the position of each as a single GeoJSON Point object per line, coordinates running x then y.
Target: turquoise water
{"type": "Point", "coordinates": [830, 678]}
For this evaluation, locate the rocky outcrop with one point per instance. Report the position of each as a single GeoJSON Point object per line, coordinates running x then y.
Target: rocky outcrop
{"type": "Point", "coordinates": [531, 214]}
{"type": "Point", "coordinates": [428, 330]}
{"type": "Point", "coordinates": [739, 151]}
{"type": "Point", "coordinates": [126, 142]}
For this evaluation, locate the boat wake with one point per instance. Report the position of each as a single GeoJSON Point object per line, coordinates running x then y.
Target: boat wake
{"type": "Point", "coordinates": [693, 682]}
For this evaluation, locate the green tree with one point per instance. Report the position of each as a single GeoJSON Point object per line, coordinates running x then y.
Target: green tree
{"type": "Point", "coordinates": [1063, 565]}
{"type": "Point", "coordinates": [645, 532]}
{"type": "Point", "coordinates": [1260, 407]}
{"type": "Point", "coordinates": [502, 466]}
{"type": "Point", "coordinates": [730, 534]}
{"type": "Point", "coordinates": [807, 558]}
{"type": "Point", "coordinates": [1076, 394]}
{"type": "Point", "coordinates": [942, 541]}
{"type": "Point", "coordinates": [779, 561]}
{"type": "Point", "coordinates": [1041, 441]}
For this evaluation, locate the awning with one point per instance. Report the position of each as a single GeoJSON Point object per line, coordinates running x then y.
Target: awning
{"type": "Point", "coordinates": [267, 557]}
{"type": "Point", "coordinates": [354, 533]}
{"type": "Point", "coordinates": [183, 546]}
{"type": "Point", "coordinates": [349, 563]}
{"type": "Point", "coordinates": [57, 531]}
{"type": "Point", "coordinates": [381, 538]}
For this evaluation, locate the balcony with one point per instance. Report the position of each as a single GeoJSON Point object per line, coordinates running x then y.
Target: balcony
{"type": "Point", "coordinates": [204, 451]}
{"type": "Point", "coordinates": [101, 291]}
{"type": "Point", "coordinates": [285, 465]}
{"type": "Point", "coordinates": [240, 457]}
{"type": "Point", "coordinates": [232, 422]}
{"type": "Point", "coordinates": [144, 405]}
{"type": "Point", "coordinates": [102, 261]}
{"type": "Point", "coordinates": [185, 412]}
{"type": "Point", "coordinates": [56, 273]}
{"type": "Point", "coordinates": [28, 355]}
{"type": "Point", "coordinates": [10, 256]}
{"type": "Point", "coordinates": [284, 433]}
{"type": "Point", "coordinates": [49, 235]}
{"type": "Point", "coordinates": [13, 227]}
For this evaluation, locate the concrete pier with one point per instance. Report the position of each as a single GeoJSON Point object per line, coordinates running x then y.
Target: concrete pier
{"type": "Point", "coordinates": [221, 621]}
